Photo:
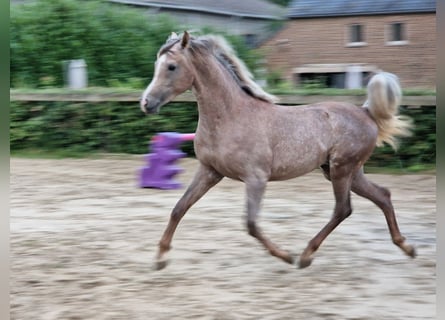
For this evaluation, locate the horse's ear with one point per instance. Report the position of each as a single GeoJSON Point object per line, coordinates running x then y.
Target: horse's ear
{"type": "Point", "coordinates": [185, 39]}
{"type": "Point", "coordinates": [173, 36]}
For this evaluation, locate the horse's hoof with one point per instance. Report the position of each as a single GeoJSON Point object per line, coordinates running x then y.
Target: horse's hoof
{"type": "Point", "coordinates": [160, 264]}
{"type": "Point", "coordinates": [305, 262]}
{"type": "Point", "coordinates": [410, 251]}
{"type": "Point", "coordinates": [289, 259]}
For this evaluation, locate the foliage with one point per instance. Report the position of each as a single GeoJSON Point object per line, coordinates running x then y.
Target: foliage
{"type": "Point", "coordinates": [85, 127]}
{"type": "Point", "coordinates": [122, 128]}
{"type": "Point", "coordinates": [118, 43]}
{"type": "Point", "coordinates": [283, 3]}
{"type": "Point", "coordinates": [414, 151]}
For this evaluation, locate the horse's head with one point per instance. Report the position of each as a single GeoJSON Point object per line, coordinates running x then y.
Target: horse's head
{"type": "Point", "coordinates": [172, 76]}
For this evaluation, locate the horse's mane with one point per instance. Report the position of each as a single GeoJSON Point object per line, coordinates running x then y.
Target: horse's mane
{"type": "Point", "coordinates": [224, 53]}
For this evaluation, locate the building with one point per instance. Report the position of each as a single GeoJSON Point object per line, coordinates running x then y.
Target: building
{"type": "Point", "coordinates": [339, 42]}
{"type": "Point", "coordinates": [252, 19]}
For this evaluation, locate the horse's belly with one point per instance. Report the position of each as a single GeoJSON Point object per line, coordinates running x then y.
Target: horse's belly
{"type": "Point", "coordinates": [281, 162]}
{"type": "Point", "coordinates": [294, 164]}
{"type": "Point", "coordinates": [285, 173]}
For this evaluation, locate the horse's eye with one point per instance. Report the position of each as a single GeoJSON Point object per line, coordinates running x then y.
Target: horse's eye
{"type": "Point", "coordinates": [171, 67]}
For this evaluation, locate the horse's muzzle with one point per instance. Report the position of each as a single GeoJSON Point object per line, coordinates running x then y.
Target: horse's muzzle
{"type": "Point", "coordinates": [150, 105]}
{"type": "Point", "coordinates": [143, 102]}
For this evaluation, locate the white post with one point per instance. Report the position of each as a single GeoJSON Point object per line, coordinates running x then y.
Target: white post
{"type": "Point", "coordinates": [354, 77]}
{"type": "Point", "coordinates": [77, 74]}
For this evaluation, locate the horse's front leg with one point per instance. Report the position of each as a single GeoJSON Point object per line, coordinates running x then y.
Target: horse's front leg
{"type": "Point", "coordinates": [205, 178]}
{"type": "Point", "coordinates": [254, 193]}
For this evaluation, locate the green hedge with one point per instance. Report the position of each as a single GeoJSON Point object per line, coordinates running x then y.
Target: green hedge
{"type": "Point", "coordinates": [85, 127]}
{"type": "Point", "coordinates": [416, 152]}
{"type": "Point", "coordinates": [123, 128]}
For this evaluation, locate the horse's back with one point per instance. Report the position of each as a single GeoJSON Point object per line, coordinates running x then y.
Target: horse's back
{"type": "Point", "coordinates": [339, 119]}
{"type": "Point", "coordinates": [321, 118]}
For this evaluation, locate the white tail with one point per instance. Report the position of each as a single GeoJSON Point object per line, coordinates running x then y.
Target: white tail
{"type": "Point", "coordinates": [384, 97]}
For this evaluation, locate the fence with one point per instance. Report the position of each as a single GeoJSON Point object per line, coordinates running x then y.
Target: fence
{"type": "Point", "coordinates": [86, 96]}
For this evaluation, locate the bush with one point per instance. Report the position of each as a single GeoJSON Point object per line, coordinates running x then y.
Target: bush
{"type": "Point", "coordinates": [413, 151]}
{"type": "Point", "coordinates": [87, 127]}
{"type": "Point", "coordinates": [118, 43]}
{"type": "Point", "coordinates": [122, 128]}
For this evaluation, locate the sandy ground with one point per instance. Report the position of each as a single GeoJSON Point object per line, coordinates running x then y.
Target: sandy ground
{"type": "Point", "coordinates": [84, 237]}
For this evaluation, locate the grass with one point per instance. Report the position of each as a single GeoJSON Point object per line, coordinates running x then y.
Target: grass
{"type": "Point", "coordinates": [415, 169]}
{"type": "Point", "coordinates": [50, 154]}
{"type": "Point", "coordinates": [65, 154]}
{"type": "Point", "coordinates": [68, 154]}
{"type": "Point", "coordinates": [89, 90]}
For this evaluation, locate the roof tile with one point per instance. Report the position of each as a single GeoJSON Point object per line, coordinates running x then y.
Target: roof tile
{"type": "Point", "coordinates": [332, 8]}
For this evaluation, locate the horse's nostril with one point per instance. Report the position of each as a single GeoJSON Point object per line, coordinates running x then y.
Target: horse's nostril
{"type": "Point", "coordinates": [143, 102]}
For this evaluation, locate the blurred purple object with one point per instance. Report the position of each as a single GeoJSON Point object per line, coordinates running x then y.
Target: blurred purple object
{"type": "Point", "coordinates": [161, 168]}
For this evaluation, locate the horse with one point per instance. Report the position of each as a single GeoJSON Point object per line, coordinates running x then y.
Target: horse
{"type": "Point", "coordinates": [245, 135]}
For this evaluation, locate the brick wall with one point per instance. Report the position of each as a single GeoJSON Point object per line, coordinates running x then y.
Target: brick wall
{"type": "Point", "coordinates": [325, 40]}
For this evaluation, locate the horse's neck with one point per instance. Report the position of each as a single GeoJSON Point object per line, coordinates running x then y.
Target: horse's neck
{"type": "Point", "coordinates": [217, 93]}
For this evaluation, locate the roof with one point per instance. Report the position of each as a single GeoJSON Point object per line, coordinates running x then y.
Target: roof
{"type": "Point", "coordinates": [259, 9]}
{"type": "Point", "coordinates": [335, 8]}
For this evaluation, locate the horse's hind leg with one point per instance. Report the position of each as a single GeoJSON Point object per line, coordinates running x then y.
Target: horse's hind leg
{"type": "Point", "coordinates": [341, 183]}
{"type": "Point", "coordinates": [204, 179]}
{"type": "Point", "coordinates": [254, 193]}
{"type": "Point", "coordinates": [382, 198]}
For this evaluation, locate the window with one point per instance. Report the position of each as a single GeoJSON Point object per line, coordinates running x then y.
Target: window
{"type": "Point", "coordinates": [250, 40]}
{"type": "Point", "coordinates": [355, 35]}
{"type": "Point", "coordinates": [396, 34]}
